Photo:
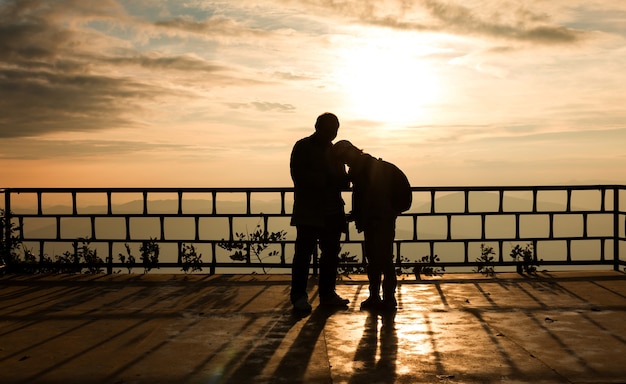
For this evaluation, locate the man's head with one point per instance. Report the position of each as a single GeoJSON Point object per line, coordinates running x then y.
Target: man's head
{"type": "Point", "coordinates": [344, 151]}
{"type": "Point", "coordinates": [326, 126]}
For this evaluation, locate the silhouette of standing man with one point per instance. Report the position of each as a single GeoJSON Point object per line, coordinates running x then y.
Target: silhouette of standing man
{"type": "Point", "coordinates": [380, 192]}
{"type": "Point", "coordinates": [318, 212]}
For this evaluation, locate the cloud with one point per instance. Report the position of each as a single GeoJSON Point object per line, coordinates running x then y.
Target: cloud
{"type": "Point", "coordinates": [40, 30]}
{"type": "Point", "coordinates": [510, 20]}
{"type": "Point", "coordinates": [292, 76]}
{"type": "Point", "coordinates": [72, 66]}
{"type": "Point", "coordinates": [39, 102]}
{"type": "Point", "coordinates": [51, 81]}
{"type": "Point", "coordinates": [267, 106]}
{"type": "Point", "coordinates": [35, 149]}
{"type": "Point", "coordinates": [156, 62]}
{"type": "Point", "coordinates": [216, 26]}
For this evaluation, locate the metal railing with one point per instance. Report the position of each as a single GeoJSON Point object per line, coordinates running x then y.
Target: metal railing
{"type": "Point", "coordinates": [564, 225]}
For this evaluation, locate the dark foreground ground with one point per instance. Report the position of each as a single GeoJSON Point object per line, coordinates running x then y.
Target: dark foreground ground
{"type": "Point", "coordinates": [552, 328]}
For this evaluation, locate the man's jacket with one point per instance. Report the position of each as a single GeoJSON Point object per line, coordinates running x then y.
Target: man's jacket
{"type": "Point", "coordinates": [318, 181]}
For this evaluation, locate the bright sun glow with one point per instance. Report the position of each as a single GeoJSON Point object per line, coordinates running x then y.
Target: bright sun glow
{"type": "Point", "coordinates": [387, 79]}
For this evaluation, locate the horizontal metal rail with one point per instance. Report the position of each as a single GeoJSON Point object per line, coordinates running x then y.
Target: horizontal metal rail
{"type": "Point", "coordinates": [498, 216]}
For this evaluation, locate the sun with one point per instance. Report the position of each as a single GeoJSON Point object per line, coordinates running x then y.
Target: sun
{"type": "Point", "coordinates": [387, 80]}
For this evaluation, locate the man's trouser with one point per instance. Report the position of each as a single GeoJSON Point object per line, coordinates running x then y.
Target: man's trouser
{"type": "Point", "coordinates": [378, 244]}
{"type": "Point", "coordinates": [307, 239]}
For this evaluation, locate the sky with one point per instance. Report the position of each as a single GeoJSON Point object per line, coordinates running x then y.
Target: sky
{"type": "Point", "coordinates": [175, 93]}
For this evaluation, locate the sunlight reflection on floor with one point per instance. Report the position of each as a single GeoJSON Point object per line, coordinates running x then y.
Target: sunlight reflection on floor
{"type": "Point", "coordinates": [434, 334]}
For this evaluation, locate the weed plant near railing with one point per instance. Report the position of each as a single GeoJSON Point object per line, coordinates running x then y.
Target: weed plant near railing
{"type": "Point", "coordinates": [254, 243]}
{"type": "Point", "coordinates": [349, 265]}
{"type": "Point", "coordinates": [128, 259]}
{"type": "Point", "coordinates": [486, 260]}
{"type": "Point", "coordinates": [30, 264]}
{"type": "Point", "coordinates": [90, 256]}
{"type": "Point", "coordinates": [149, 254]}
{"type": "Point", "coordinates": [15, 244]}
{"type": "Point", "coordinates": [149, 251]}
{"type": "Point", "coordinates": [65, 263]}
{"type": "Point", "coordinates": [84, 257]}
{"type": "Point", "coordinates": [429, 267]}
{"type": "Point", "coordinates": [525, 258]}
{"type": "Point", "coordinates": [190, 259]}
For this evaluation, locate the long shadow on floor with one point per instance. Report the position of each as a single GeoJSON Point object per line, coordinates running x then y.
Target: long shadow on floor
{"type": "Point", "coordinates": [299, 364]}
{"type": "Point", "coordinates": [369, 369]}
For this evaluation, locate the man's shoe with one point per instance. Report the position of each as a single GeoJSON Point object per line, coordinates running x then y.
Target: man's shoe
{"type": "Point", "coordinates": [372, 303]}
{"type": "Point", "coordinates": [388, 305]}
{"type": "Point", "coordinates": [302, 305]}
{"type": "Point", "coordinates": [334, 301]}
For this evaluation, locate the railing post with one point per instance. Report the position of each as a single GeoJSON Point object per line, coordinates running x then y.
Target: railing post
{"type": "Point", "coordinates": [616, 255]}
{"type": "Point", "coordinates": [6, 230]}
{"type": "Point", "coordinates": [110, 259]}
{"type": "Point", "coordinates": [213, 260]}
